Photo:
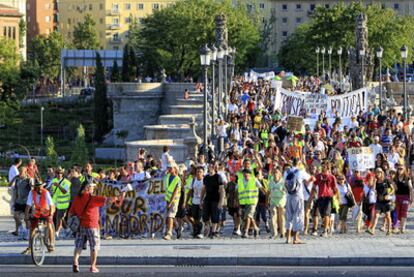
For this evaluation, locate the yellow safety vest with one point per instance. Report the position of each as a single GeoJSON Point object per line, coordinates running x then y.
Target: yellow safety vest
{"type": "Point", "coordinates": [188, 183]}
{"type": "Point", "coordinates": [61, 199]}
{"type": "Point", "coordinates": [248, 195]}
{"type": "Point", "coordinates": [171, 187]}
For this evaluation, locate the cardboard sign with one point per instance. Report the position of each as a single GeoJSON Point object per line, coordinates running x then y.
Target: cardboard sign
{"type": "Point", "coordinates": [295, 123]}
{"type": "Point", "coordinates": [361, 158]}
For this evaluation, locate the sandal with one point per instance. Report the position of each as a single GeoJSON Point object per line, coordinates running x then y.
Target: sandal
{"type": "Point", "coordinates": [94, 270]}
{"type": "Point", "coordinates": [75, 268]}
{"type": "Point", "coordinates": [298, 242]}
{"type": "Point", "coordinates": [26, 251]}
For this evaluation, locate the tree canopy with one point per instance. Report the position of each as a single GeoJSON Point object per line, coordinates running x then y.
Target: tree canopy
{"type": "Point", "coordinates": [171, 37]}
{"type": "Point", "coordinates": [336, 27]}
{"type": "Point", "coordinates": [84, 34]}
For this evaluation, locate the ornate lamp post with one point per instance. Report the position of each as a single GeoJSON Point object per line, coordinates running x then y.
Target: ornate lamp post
{"type": "Point", "coordinates": [379, 52]}
{"type": "Point", "coordinates": [323, 63]}
{"type": "Point", "coordinates": [330, 63]}
{"type": "Point", "coordinates": [205, 57]}
{"type": "Point", "coordinates": [317, 51]}
{"type": "Point", "coordinates": [404, 54]}
{"type": "Point", "coordinates": [362, 57]}
{"type": "Point", "coordinates": [213, 88]}
{"type": "Point", "coordinates": [339, 51]}
{"type": "Point", "coordinates": [220, 55]}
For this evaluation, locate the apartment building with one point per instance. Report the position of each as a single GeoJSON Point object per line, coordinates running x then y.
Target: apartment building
{"type": "Point", "coordinates": [41, 18]}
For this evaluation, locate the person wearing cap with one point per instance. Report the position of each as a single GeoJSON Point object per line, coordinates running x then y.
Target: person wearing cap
{"type": "Point", "coordinates": [41, 205]}
{"type": "Point", "coordinates": [172, 197]}
{"type": "Point", "coordinates": [61, 199]}
{"type": "Point", "coordinates": [86, 206]}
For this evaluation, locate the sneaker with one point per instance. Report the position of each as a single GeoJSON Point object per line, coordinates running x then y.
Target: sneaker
{"type": "Point", "coordinates": [167, 237]}
{"type": "Point", "coordinates": [324, 234]}
{"type": "Point", "coordinates": [245, 236]}
{"type": "Point", "coordinates": [179, 233]}
{"type": "Point", "coordinates": [315, 233]}
{"type": "Point", "coordinates": [94, 270]}
{"type": "Point", "coordinates": [256, 232]}
{"type": "Point", "coordinates": [237, 233]}
{"type": "Point", "coordinates": [50, 248]}
{"type": "Point", "coordinates": [200, 236]}
{"type": "Point", "coordinates": [57, 235]}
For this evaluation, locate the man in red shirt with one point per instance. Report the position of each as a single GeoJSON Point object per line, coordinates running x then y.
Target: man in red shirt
{"type": "Point", "coordinates": [326, 183]}
{"type": "Point", "coordinates": [86, 205]}
{"type": "Point", "coordinates": [357, 186]}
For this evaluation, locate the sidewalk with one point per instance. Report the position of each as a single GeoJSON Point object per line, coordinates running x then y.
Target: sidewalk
{"type": "Point", "coordinates": [334, 251]}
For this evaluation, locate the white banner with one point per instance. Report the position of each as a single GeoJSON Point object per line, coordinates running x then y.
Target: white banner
{"type": "Point", "coordinates": [252, 76]}
{"type": "Point", "coordinates": [306, 103]}
{"type": "Point", "coordinates": [361, 158]}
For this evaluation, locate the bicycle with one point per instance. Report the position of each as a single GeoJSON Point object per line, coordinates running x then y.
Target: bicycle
{"type": "Point", "coordinates": [40, 243]}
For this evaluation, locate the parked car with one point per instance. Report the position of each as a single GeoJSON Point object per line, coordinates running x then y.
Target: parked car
{"type": "Point", "coordinates": [89, 91]}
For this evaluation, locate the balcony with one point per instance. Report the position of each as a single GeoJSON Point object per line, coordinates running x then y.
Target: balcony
{"type": "Point", "coordinates": [113, 12]}
{"type": "Point", "coordinates": [113, 26]}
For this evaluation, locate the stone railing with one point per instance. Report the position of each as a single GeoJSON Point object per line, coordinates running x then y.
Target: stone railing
{"type": "Point", "coordinates": [115, 89]}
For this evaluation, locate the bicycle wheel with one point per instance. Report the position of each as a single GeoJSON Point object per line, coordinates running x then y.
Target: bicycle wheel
{"type": "Point", "coordinates": [38, 249]}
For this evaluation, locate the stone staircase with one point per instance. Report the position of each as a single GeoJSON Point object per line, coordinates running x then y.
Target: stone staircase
{"type": "Point", "coordinates": [174, 130]}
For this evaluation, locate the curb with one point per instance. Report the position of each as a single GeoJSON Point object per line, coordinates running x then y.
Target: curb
{"type": "Point", "coordinates": [219, 261]}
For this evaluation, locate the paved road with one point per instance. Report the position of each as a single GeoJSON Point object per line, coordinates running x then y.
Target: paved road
{"type": "Point", "coordinates": [239, 271]}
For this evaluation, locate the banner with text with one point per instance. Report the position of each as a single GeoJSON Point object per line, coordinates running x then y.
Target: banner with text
{"type": "Point", "coordinates": [306, 103]}
{"type": "Point", "coordinates": [142, 212]}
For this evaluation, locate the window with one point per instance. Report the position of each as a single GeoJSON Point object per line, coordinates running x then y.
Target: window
{"type": "Point", "coordinates": [284, 20]}
{"type": "Point", "coordinates": [127, 6]}
{"type": "Point", "coordinates": [284, 7]}
{"type": "Point", "coordinates": [383, 6]}
{"type": "Point", "coordinates": [249, 7]}
{"type": "Point", "coordinates": [116, 48]}
{"type": "Point", "coordinates": [312, 7]}
{"type": "Point", "coordinates": [101, 6]}
{"type": "Point", "coordinates": [4, 31]}
{"type": "Point", "coordinates": [115, 7]}
{"type": "Point", "coordinates": [284, 34]}
{"type": "Point", "coordinates": [298, 20]}
{"type": "Point", "coordinates": [128, 19]}
{"type": "Point", "coordinates": [101, 20]}
{"type": "Point", "coordinates": [14, 33]}
{"type": "Point", "coordinates": [262, 6]}
{"type": "Point", "coordinates": [298, 6]}
{"type": "Point", "coordinates": [47, 18]}
{"type": "Point", "coordinates": [10, 32]}
{"type": "Point", "coordinates": [327, 6]}
{"type": "Point", "coordinates": [141, 20]}
{"type": "Point", "coordinates": [90, 7]}
{"type": "Point", "coordinates": [69, 21]}
{"type": "Point", "coordinates": [140, 6]}
{"type": "Point", "coordinates": [115, 21]}
{"type": "Point", "coordinates": [115, 37]}
{"type": "Point", "coordinates": [155, 6]}
{"type": "Point", "coordinates": [396, 6]}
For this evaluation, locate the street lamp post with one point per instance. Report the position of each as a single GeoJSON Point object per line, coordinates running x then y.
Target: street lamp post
{"type": "Point", "coordinates": [41, 127]}
{"type": "Point", "coordinates": [317, 60]}
{"type": "Point", "coordinates": [404, 54]}
{"type": "Point", "coordinates": [225, 60]}
{"type": "Point", "coordinates": [220, 54]}
{"type": "Point", "coordinates": [205, 57]}
{"type": "Point", "coordinates": [362, 57]}
{"type": "Point", "coordinates": [330, 63]}
{"type": "Point", "coordinates": [323, 63]}
{"type": "Point", "coordinates": [340, 66]}
{"type": "Point", "coordinates": [213, 88]}
{"type": "Point", "coordinates": [379, 51]}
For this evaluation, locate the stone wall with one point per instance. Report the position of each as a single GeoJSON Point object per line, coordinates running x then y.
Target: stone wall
{"type": "Point", "coordinates": [139, 104]}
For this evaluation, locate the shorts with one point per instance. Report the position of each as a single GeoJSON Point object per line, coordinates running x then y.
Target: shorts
{"type": "Point", "coordinates": [172, 212]}
{"type": "Point", "coordinates": [234, 211]}
{"type": "Point", "coordinates": [211, 212]}
{"type": "Point", "coordinates": [19, 207]}
{"type": "Point", "coordinates": [403, 203]}
{"type": "Point", "coordinates": [60, 214]}
{"type": "Point", "coordinates": [34, 222]}
{"type": "Point", "coordinates": [196, 212]}
{"type": "Point", "coordinates": [343, 212]}
{"type": "Point", "coordinates": [383, 207]}
{"type": "Point", "coordinates": [88, 234]}
{"type": "Point", "coordinates": [308, 203]}
{"type": "Point", "coordinates": [314, 209]}
{"type": "Point", "coordinates": [249, 211]}
{"type": "Point", "coordinates": [222, 214]}
{"type": "Point", "coordinates": [181, 212]}
{"type": "Point", "coordinates": [325, 206]}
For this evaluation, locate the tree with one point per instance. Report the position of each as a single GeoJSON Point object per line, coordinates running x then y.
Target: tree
{"type": "Point", "coordinates": [100, 101]}
{"type": "Point", "coordinates": [170, 38]}
{"type": "Point", "coordinates": [45, 51]}
{"type": "Point", "coordinates": [80, 151]}
{"type": "Point", "coordinates": [125, 75]}
{"type": "Point", "coordinates": [9, 70]}
{"type": "Point", "coordinates": [336, 27]}
{"type": "Point", "coordinates": [84, 34]}
{"type": "Point", "coordinates": [132, 64]}
{"type": "Point", "coordinates": [115, 77]}
{"type": "Point", "coordinates": [52, 158]}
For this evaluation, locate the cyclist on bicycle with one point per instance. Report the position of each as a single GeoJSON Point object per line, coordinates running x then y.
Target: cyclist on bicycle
{"type": "Point", "coordinates": [40, 203]}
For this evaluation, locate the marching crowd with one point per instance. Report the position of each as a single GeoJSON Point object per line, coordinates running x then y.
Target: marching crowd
{"type": "Point", "coordinates": [266, 177]}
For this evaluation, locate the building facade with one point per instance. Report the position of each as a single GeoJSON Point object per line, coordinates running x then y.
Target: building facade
{"type": "Point", "coordinates": [20, 5]}
{"type": "Point", "coordinates": [9, 24]}
{"type": "Point", "coordinates": [41, 17]}
{"type": "Point", "coordinates": [112, 17]}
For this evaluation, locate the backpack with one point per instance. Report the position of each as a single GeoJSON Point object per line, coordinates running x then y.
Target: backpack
{"type": "Point", "coordinates": [291, 182]}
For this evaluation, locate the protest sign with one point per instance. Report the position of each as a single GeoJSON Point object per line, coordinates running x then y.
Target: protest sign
{"type": "Point", "coordinates": [349, 104]}
{"type": "Point", "coordinates": [295, 123]}
{"type": "Point", "coordinates": [141, 213]}
{"type": "Point", "coordinates": [361, 158]}
{"type": "Point", "coordinates": [316, 103]}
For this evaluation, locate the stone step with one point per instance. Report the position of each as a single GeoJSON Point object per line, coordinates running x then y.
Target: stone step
{"type": "Point", "coordinates": [186, 109]}
{"type": "Point", "coordinates": [154, 147]}
{"type": "Point", "coordinates": [178, 118]}
{"type": "Point", "coordinates": [167, 131]}
{"type": "Point", "coordinates": [191, 101]}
